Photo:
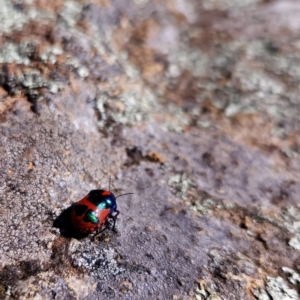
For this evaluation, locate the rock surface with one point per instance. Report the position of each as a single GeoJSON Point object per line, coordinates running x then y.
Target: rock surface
{"type": "Point", "coordinates": [191, 105]}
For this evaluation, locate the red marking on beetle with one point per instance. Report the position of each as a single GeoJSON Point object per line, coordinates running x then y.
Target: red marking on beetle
{"type": "Point", "coordinates": [106, 193]}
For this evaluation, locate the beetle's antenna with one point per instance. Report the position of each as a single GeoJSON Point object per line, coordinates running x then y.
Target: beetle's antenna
{"type": "Point", "coordinates": [124, 195]}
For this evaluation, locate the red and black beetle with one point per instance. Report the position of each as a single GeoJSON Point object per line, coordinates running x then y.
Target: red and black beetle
{"type": "Point", "coordinates": [93, 212]}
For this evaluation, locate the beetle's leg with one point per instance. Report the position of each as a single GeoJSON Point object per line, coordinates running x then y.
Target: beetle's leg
{"type": "Point", "coordinates": [98, 232]}
{"type": "Point", "coordinates": [114, 218]}
{"type": "Point", "coordinates": [107, 225]}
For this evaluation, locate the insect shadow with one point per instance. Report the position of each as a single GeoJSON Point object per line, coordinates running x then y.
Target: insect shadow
{"type": "Point", "coordinates": [64, 224]}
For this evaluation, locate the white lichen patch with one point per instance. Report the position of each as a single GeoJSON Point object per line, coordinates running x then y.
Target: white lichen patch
{"type": "Point", "coordinates": [193, 60]}
{"type": "Point", "coordinates": [276, 289]}
{"type": "Point", "coordinates": [181, 184]}
{"type": "Point", "coordinates": [204, 206]}
{"type": "Point", "coordinates": [138, 104]}
{"type": "Point", "coordinates": [99, 261]}
{"type": "Point", "coordinates": [252, 79]}
{"type": "Point", "coordinates": [279, 290]}
{"type": "Point", "coordinates": [83, 71]}
{"type": "Point", "coordinates": [289, 218]}
{"type": "Point", "coordinates": [204, 292]}
{"type": "Point", "coordinates": [260, 294]}
{"type": "Point", "coordinates": [12, 18]}
{"type": "Point", "coordinates": [226, 4]}
{"type": "Point", "coordinates": [294, 277]}
{"type": "Point", "coordinates": [70, 12]}
{"type": "Point", "coordinates": [295, 242]}
{"type": "Point", "coordinates": [33, 80]}
{"type": "Point", "coordinates": [50, 54]}
{"type": "Point", "coordinates": [10, 53]}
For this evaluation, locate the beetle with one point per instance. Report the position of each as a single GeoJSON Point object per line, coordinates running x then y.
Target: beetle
{"type": "Point", "coordinates": [93, 212]}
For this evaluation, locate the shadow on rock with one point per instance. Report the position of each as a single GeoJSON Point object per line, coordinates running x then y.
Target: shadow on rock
{"type": "Point", "coordinates": [64, 223]}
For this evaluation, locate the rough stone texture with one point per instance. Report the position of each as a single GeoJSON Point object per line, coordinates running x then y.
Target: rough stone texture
{"type": "Point", "coordinates": [191, 105]}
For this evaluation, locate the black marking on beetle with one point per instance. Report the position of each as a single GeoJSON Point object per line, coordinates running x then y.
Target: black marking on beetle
{"type": "Point", "coordinates": [80, 209]}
